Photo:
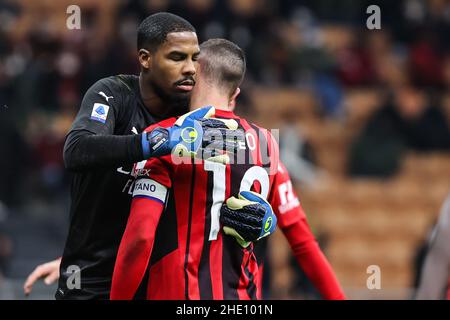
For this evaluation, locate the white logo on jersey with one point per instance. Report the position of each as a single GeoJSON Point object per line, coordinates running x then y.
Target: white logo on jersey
{"type": "Point", "coordinates": [105, 96]}
{"type": "Point", "coordinates": [100, 112]}
{"type": "Point", "coordinates": [134, 130]}
{"type": "Point", "coordinates": [120, 170]}
{"type": "Point", "coordinates": [287, 197]}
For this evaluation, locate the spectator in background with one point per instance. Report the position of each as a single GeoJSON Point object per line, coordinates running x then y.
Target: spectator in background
{"type": "Point", "coordinates": [296, 152]}
{"type": "Point", "coordinates": [406, 122]}
{"type": "Point", "coordinates": [203, 15]}
{"type": "Point", "coordinates": [427, 61]}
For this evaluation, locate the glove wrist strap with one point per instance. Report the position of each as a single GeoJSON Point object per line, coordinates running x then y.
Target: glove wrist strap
{"type": "Point", "coordinates": [155, 143]}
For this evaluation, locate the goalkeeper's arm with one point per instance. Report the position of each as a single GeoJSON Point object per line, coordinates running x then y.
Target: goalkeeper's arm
{"type": "Point", "coordinates": [96, 146]}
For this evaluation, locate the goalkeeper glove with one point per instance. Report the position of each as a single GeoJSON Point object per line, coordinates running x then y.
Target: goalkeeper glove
{"type": "Point", "coordinates": [247, 218]}
{"type": "Point", "coordinates": [195, 134]}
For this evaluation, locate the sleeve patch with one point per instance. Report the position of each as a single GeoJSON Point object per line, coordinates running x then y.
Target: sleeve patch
{"type": "Point", "coordinates": [150, 189]}
{"type": "Point", "coordinates": [100, 112]}
{"type": "Point", "coordinates": [288, 200]}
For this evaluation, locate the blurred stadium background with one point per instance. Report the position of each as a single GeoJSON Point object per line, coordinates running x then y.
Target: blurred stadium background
{"type": "Point", "coordinates": [364, 118]}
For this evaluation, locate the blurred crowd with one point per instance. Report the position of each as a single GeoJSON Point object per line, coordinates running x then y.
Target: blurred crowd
{"type": "Point", "coordinates": [322, 46]}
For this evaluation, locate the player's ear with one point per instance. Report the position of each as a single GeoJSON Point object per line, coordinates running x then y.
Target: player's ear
{"type": "Point", "coordinates": [145, 58]}
{"type": "Point", "coordinates": [232, 103]}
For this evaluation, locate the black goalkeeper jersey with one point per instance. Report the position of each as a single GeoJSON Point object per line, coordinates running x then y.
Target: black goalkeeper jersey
{"type": "Point", "coordinates": [100, 197]}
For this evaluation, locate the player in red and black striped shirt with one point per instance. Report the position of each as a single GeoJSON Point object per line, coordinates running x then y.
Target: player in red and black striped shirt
{"type": "Point", "coordinates": [173, 242]}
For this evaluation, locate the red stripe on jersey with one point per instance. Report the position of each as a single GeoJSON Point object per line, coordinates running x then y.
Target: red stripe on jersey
{"type": "Point", "coordinates": [243, 280]}
{"type": "Point", "coordinates": [181, 196]}
{"type": "Point", "coordinates": [164, 123]}
{"type": "Point", "coordinates": [197, 237]}
{"type": "Point", "coordinates": [253, 268]}
{"type": "Point", "coordinates": [249, 268]}
{"type": "Point", "coordinates": [273, 154]}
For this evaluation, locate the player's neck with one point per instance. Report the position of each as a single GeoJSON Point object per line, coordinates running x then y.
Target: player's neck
{"type": "Point", "coordinates": [152, 101]}
{"type": "Point", "coordinates": [210, 98]}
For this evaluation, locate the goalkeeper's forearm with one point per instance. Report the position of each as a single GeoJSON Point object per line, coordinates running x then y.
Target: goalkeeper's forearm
{"type": "Point", "coordinates": [84, 150]}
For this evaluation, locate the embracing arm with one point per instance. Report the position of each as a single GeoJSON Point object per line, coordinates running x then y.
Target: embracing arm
{"type": "Point", "coordinates": [84, 150]}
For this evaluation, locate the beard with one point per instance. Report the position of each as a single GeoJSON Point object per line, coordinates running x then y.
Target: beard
{"type": "Point", "coordinates": [177, 104]}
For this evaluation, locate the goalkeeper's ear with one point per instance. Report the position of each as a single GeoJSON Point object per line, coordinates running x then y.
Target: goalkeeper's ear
{"type": "Point", "coordinates": [145, 59]}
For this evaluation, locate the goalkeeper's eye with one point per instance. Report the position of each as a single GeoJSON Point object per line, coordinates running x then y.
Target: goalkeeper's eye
{"type": "Point", "coordinates": [177, 56]}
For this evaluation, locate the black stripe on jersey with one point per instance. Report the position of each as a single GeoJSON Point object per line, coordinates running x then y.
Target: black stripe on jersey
{"type": "Point", "coordinates": [232, 252]}
{"type": "Point", "coordinates": [263, 147]}
{"type": "Point", "coordinates": [251, 287]}
{"type": "Point", "coordinates": [204, 273]}
{"type": "Point", "coordinates": [188, 241]}
{"type": "Point", "coordinates": [166, 236]}
{"type": "Point", "coordinates": [260, 247]}
{"type": "Point", "coordinates": [231, 267]}
{"type": "Point", "coordinates": [141, 292]}
{"type": "Point", "coordinates": [260, 250]}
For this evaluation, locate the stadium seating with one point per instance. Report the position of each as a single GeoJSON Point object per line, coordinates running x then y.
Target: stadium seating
{"type": "Point", "coordinates": [367, 221]}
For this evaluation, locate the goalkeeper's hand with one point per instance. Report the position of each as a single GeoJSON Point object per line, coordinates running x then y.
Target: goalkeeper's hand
{"type": "Point", "coordinates": [248, 218]}
{"type": "Point", "coordinates": [195, 134]}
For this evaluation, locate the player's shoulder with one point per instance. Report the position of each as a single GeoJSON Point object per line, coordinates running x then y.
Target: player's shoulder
{"type": "Point", "coordinates": [163, 123]}
{"type": "Point", "coordinates": [263, 134]}
{"type": "Point", "coordinates": [118, 84]}
{"type": "Point", "coordinates": [248, 125]}
{"type": "Point", "coordinates": [268, 144]}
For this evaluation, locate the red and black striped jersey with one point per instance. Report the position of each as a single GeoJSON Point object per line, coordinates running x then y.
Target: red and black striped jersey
{"type": "Point", "coordinates": [189, 256]}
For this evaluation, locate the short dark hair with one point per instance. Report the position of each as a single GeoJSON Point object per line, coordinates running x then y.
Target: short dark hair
{"type": "Point", "coordinates": [153, 31]}
{"type": "Point", "coordinates": [222, 62]}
